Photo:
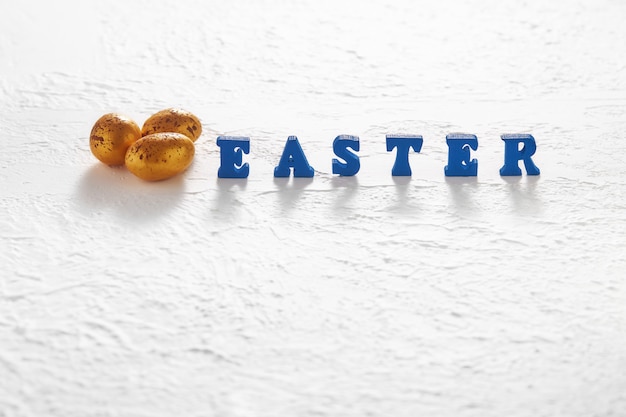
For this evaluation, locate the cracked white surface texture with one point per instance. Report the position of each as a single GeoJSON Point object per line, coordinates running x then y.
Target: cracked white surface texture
{"type": "Point", "coordinates": [363, 296]}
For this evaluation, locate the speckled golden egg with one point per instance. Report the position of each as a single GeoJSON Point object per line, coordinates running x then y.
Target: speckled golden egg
{"type": "Point", "coordinates": [160, 156]}
{"type": "Point", "coordinates": [111, 136]}
{"type": "Point", "coordinates": [173, 120]}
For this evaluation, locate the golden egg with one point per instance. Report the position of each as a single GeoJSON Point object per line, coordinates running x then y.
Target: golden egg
{"type": "Point", "coordinates": [111, 136]}
{"type": "Point", "coordinates": [173, 120]}
{"type": "Point", "coordinates": [160, 156]}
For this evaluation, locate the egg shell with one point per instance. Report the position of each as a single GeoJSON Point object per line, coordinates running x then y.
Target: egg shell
{"type": "Point", "coordinates": [111, 136]}
{"type": "Point", "coordinates": [173, 120]}
{"type": "Point", "coordinates": [160, 156]}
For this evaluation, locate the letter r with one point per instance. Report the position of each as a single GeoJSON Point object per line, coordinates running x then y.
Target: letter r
{"type": "Point", "coordinates": [513, 154]}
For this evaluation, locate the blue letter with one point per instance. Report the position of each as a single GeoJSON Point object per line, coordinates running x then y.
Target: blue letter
{"type": "Point", "coordinates": [459, 163]}
{"type": "Point", "coordinates": [232, 149]}
{"type": "Point", "coordinates": [340, 147]}
{"type": "Point", "coordinates": [512, 154]}
{"type": "Point", "coordinates": [403, 142]}
{"type": "Point", "coordinates": [293, 157]}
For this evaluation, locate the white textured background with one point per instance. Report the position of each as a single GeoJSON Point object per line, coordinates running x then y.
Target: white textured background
{"type": "Point", "coordinates": [364, 296]}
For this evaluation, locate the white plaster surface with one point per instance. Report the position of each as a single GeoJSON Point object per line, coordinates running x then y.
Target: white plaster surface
{"type": "Point", "coordinates": [363, 296]}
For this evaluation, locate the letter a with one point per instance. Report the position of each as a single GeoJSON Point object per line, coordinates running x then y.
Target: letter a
{"type": "Point", "coordinates": [293, 157]}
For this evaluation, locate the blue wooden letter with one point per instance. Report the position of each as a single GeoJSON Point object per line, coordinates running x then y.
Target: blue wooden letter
{"type": "Point", "coordinates": [513, 154]}
{"type": "Point", "coordinates": [293, 157]}
{"type": "Point", "coordinates": [459, 163]}
{"type": "Point", "coordinates": [232, 149]}
{"type": "Point", "coordinates": [403, 142]}
{"type": "Point", "coordinates": [340, 147]}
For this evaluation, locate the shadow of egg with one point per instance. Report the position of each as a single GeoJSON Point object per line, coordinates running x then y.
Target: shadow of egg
{"type": "Point", "coordinates": [115, 191]}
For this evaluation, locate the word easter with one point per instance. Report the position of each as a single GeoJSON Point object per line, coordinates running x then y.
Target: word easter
{"type": "Point", "coordinates": [517, 147]}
